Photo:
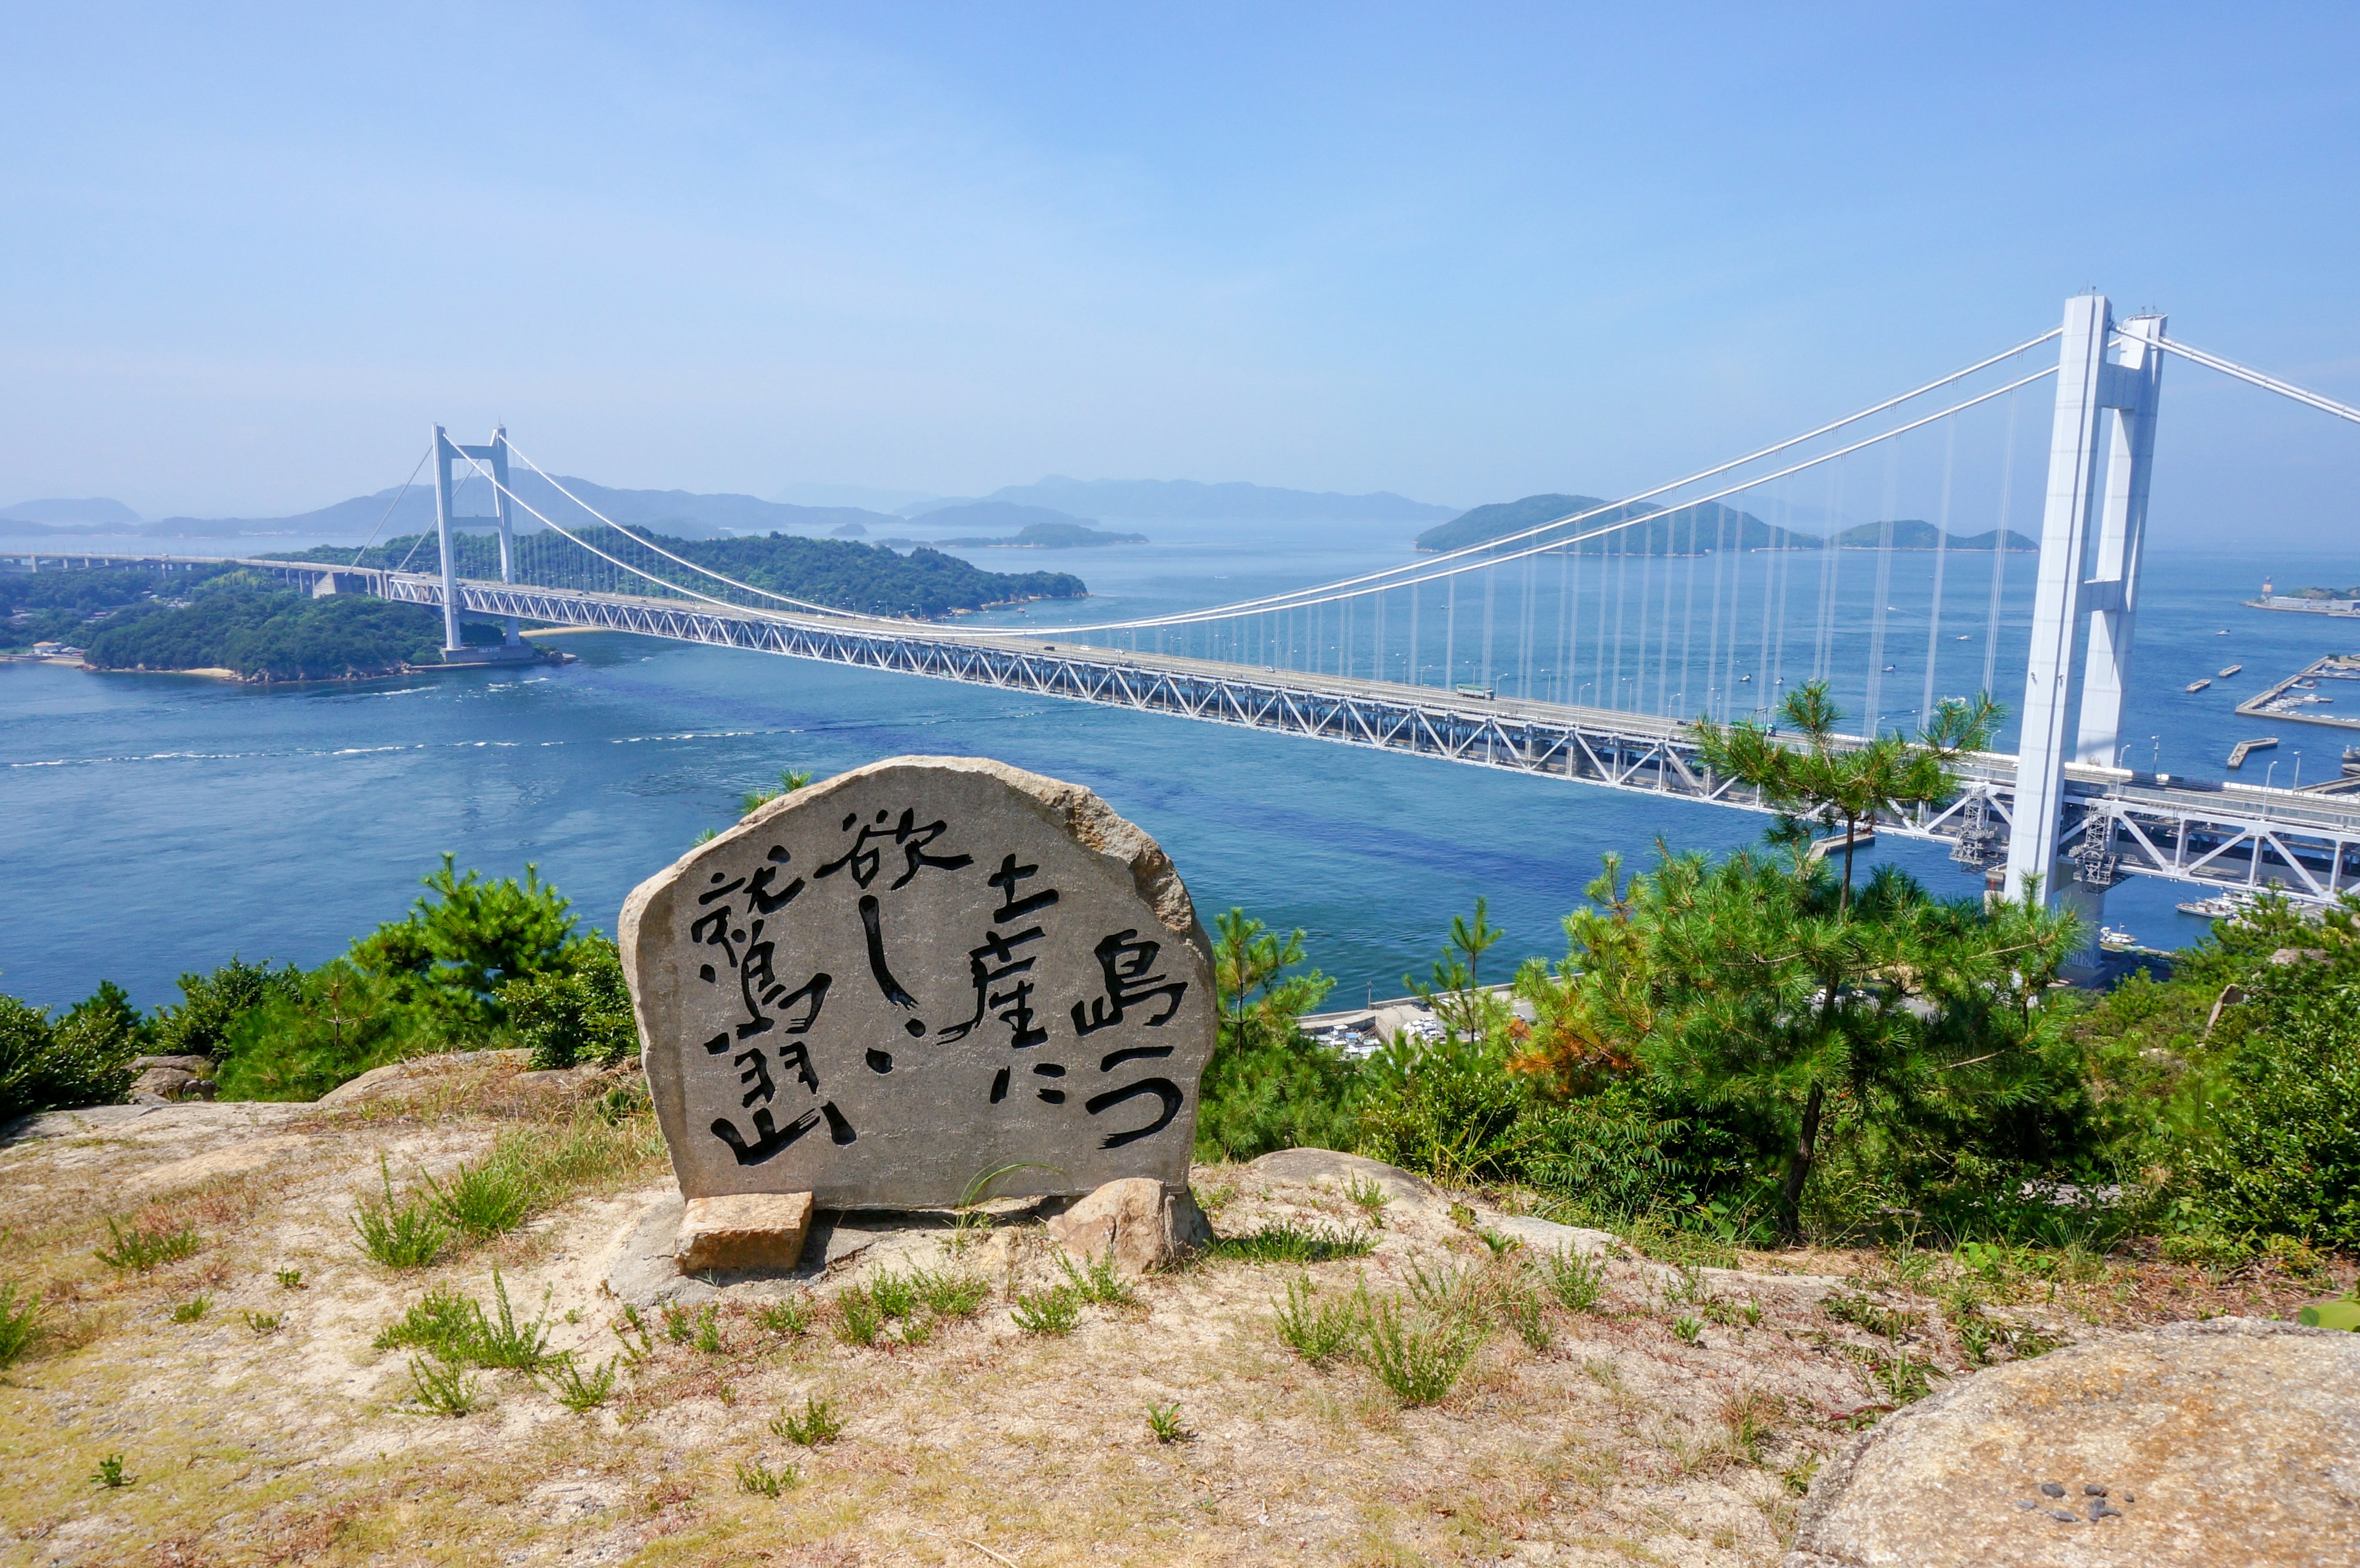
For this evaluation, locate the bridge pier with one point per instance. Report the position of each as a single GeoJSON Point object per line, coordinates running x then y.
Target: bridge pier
{"type": "Point", "coordinates": [2093, 531]}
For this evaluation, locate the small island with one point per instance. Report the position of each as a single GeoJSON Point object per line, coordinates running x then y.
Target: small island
{"type": "Point", "coordinates": [843, 574]}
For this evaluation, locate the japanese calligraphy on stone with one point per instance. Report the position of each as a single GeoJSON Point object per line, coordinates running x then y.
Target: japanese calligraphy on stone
{"type": "Point", "coordinates": [878, 989]}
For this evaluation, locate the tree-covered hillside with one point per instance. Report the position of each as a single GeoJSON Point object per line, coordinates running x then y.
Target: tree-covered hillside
{"type": "Point", "coordinates": [841, 573]}
{"type": "Point", "coordinates": [69, 606]}
{"type": "Point", "coordinates": [266, 632]}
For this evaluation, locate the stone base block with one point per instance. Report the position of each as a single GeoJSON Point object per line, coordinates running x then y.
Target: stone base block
{"type": "Point", "coordinates": [1135, 1223]}
{"type": "Point", "coordinates": [745, 1230]}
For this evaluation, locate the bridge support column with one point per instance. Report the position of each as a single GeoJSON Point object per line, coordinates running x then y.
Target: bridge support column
{"type": "Point", "coordinates": [2091, 532]}
{"type": "Point", "coordinates": [502, 510]}
{"type": "Point", "coordinates": [443, 452]}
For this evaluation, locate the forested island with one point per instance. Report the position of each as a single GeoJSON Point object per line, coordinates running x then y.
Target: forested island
{"type": "Point", "coordinates": [840, 574]}
{"type": "Point", "coordinates": [221, 619]}
{"type": "Point", "coordinates": [1699, 529]}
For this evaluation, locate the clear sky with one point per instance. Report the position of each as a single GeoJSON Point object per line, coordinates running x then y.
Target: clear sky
{"type": "Point", "coordinates": [1461, 252]}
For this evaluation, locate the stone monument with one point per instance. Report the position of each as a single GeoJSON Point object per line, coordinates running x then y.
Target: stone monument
{"type": "Point", "coordinates": [878, 989]}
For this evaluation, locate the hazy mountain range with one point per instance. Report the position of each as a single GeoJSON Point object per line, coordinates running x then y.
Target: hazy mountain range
{"type": "Point", "coordinates": [685, 514]}
{"type": "Point", "coordinates": [1691, 530]}
{"type": "Point", "coordinates": [1186, 500]}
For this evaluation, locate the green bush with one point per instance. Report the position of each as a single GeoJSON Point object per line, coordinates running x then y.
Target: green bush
{"type": "Point", "coordinates": [578, 1013]}
{"type": "Point", "coordinates": [2281, 1153]}
{"type": "Point", "coordinates": [82, 1059]}
{"type": "Point", "coordinates": [212, 1006]}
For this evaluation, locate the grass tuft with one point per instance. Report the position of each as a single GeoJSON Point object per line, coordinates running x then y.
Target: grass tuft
{"type": "Point", "coordinates": [443, 1324]}
{"type": "Point", "coordinates": [1163, 1422]}
{"type": "Point", "coordinates": [791, 1316]}
{"type": "Point", "coordinates": [109, 1472]}
{"type": "Point", "coordinates": [485, 1200]}
{"type": "Point", "coordinates": [263, 1323]}
{"type": "Point", "coordinates": [1319, 1332]}
{"type": "Point", "coordinates": [142, 1249]}
{"type": "Point", "coordinates": [857, 1316]}
{"type": "Point", "coordinates": [1057, 1311]}
{"type": "Point", "coordinates": [579, 1391]}
{"type": "Point", "coordinates": [1287, 1242]}
{"type": "Point", "coordinates": [507, 1344]}
{"type": "Point", "coordinates": [193, 1309]}
{"type": "Point", "coordinates": [818, 1424]}
{"type": "Point", "coordinates": [1098, 1281]}
{"type": "Point", "coordinates": [443, 1387]}
{"type": "Point", "coordinates": [948, 1295]}
{"type": "Point", "coordinates": [288, 1279]}
{"type": "Point", "coordinates": [756, 1478]}
{"type": "Point", "coordinates": [20, 1323]}
{"type": "Point", "coordinates": [1416, 1354]}
{"type": "Point", "coordinates": [1368, 1195]}
{"type": "Point", "coordinates": [410, 1235]}
{"type": "Point", "coordinates": [1579, 1283]}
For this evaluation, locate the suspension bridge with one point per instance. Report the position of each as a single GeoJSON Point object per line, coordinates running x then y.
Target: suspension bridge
{"type": "Point", "coordinates": [1582, 645]}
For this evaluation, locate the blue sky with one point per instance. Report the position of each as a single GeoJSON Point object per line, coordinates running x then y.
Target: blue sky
{"type": "Point", "coordinates": [1464, 253]}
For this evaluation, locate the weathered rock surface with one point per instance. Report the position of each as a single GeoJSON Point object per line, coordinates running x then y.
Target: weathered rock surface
{"type": "Point", "coordinates": [1136, 1223]}
{"type": "Point", "coordinates": [882, 988]}
{"type": "Point", "coordinates": [743, 1231]}
{"type": "Point", "coordinates": [419, 1074]}
{"type": "Point", "coordinates": [2196, 1445]}
{"type": "Point", "coordinates": [1326, 1167]}
{"type": "Point", "coordinates": [163, 1079]}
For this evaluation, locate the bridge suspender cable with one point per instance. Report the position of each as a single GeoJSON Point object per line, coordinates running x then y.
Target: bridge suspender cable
{"type": "Point", "coordinates": [1312, 598]}
{"type": "Point", "coordinates": [390, 506]}
{"type": "Point", "coordinates": [1243, 606]}
{"type": "Point", "coordinates": [693, 566]}
{"type": "Point", "coordinates": [1480, 557]}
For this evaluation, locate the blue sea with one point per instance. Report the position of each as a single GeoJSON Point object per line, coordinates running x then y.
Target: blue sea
{"type": "Point", "coordinates": [154, 824]}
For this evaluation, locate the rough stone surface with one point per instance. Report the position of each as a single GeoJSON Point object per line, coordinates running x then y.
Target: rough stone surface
{"type": "Point", "coordinates": [1326, 1167]}
{"type": "Point", "coordinates": [2235, 1441]}
{"type": "Point", "coordinates": [881, 988]}
{"type": "Point", "coordinates": [167, 1078]}
{"type": "Point", "coordinates": [1136, 1222]}
{"type": "Point", "coordinates": [743, 1231]}
{"type": "Point", "coordinates": [399, 1080]}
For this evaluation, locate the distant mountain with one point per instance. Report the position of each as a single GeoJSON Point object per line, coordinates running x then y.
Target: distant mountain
{"type": "Point", "coordinates": [682, 513]}
{"type": "Point", "coordinates": [96, 512]}
{"type": "Point", "coordinates": [1690, 530]}
{"type": "Point", "coordinates": [870, 497]}
{"type": "Point", "coordinates": [1186, 500]}
{"type": "Point", "coordinates": [1913, 533]}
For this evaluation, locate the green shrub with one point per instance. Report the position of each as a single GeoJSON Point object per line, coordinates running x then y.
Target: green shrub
{"type": "Point", "coordinates": [2282, 1153]}
{"type": "Point", "coordinates": [579, 1391]}
{"type": "Point", "coordinates": [485, 1199]}
{"type": "Point", "coordinates": [212, 1006]}
{"type": "Point", "coordinates": [82, 1059]}
{"type": "Point", "coordinates": [313, 1032]}
{"type": "Point", "coordinates": [579, 1013]}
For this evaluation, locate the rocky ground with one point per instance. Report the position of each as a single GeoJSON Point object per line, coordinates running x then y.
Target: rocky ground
{"type": "Point", "coordinates": [1677, 1418]}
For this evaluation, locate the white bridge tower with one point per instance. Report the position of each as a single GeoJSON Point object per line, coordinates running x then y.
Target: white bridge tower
{"type": "Point", "coordinates": [502, 518]}
{"type": "Point", "coordinates": [2101, 451]}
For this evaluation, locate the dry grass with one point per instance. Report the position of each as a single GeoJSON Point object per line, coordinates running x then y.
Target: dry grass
{"type": "Point", "coordinates": [1600, 1437]}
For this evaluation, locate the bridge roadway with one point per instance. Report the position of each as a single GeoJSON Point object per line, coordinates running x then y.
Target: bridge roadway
{"type": "Point", "coordinates": [2117, 823]}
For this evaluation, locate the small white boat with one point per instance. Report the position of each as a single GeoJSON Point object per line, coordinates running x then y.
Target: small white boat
{"type": "Point", "coordinates": [2198, 685]}
{"type": "Point", "coordinates": [2115, 938]}
{"type": "Point", "coordinates": [2231, 671]}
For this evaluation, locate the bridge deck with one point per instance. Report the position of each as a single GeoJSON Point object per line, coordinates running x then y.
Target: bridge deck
{"type": "Point", "coordinates": [2117, 823]}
